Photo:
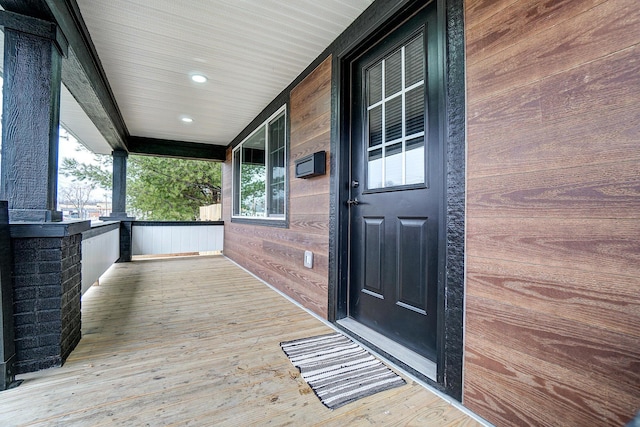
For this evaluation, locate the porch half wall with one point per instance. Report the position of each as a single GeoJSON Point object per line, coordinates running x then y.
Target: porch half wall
{"type": "Point", "coordinates": [553, 209]}
{"type": "Point", "coordinates": [276, 254]}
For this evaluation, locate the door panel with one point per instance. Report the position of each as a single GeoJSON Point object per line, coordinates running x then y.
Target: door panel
{"type": "Point", "coordinates": [395, 196]}
{"type": "Point", "coordinates": [373, 259]}
{"type": "Point", "coordinates": [412, 264]}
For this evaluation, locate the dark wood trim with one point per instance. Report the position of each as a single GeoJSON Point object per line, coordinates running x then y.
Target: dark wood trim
{"type": "Point", "coordinates": [450, 359]}
{"type": "Point", "coordinates": [175, 223]}
{"type": "Point", "coordinates": [178, 149]}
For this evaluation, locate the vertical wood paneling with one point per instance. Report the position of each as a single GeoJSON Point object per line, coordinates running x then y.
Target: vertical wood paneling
{"type": "Point", "coordinates": [553, 193]}
{"type": "Point", "coordinates": [275, 254]}
{"type": "Point", "coordinates": [166, 239]}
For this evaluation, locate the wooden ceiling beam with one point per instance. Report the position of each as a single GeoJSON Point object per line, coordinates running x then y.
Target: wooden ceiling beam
{"type": "Point", "coordinates": [177, 149]}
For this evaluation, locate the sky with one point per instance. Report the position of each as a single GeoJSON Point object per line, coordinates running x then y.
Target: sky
{"type": "Point", "coordinates": [69, 147]}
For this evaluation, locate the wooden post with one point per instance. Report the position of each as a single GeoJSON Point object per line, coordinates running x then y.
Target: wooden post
{"type": "Point", "coordinates": [118, 203]}
{"type": "Point", "coordinates": [33, 51]}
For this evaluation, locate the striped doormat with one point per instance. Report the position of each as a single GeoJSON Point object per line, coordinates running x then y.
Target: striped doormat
{"type": "Point", "coordinates": [338, 370]}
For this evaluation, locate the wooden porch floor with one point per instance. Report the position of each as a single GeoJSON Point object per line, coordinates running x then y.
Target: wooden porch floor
{"type": "Point", "coordinates": [195, 341]}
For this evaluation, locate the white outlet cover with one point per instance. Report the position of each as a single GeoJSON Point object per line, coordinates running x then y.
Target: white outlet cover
{"type": "Point", "coordinates": [308, 259]}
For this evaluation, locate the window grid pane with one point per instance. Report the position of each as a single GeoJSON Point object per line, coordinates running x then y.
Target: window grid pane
{"type": "Point", "coordinates": [414, 61]}
{"type": "Point", "coordinates": [375, 126]}
{"type": "Point", "coordinates": [374, 87]}
{"type": "Point", "coordinates": [393, 119]}
{"type": "Point", "coordinates": [253, 175]}
{"type": "Point", "coordinates": [393, 73]}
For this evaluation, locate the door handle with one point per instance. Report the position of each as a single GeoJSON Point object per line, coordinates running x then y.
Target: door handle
{"type": "Point", "coordinates": [353, 202]}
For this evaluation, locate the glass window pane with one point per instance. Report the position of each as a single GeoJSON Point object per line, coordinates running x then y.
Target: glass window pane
{"type": "Point", "coordinates": [393, 165]}
{"type": "Point", "coordinates": [236, 181]}
{"type": "Point", "coordinates": [393, 73]}
{"type": "Point", "coordinates": [393, 119]}
{"type": "Point", "coordinates": [260, 172]}
{"type": "Point", "coordinates": [253, 176]}
{"type": "Point", "coordinates": [375, 126]}
{"type": "Point", "coordinates": [374, 179]}
{"type": "Point", "coordinates": [374, 84]}
{"type": "Point", "coordinates": [415, 110]}
{"type": "Point", "coordinates": [415, 161]}
{"type": "Point", "coordinates": [253, 190]}
{"type": "Point", "coordinates": [276, 167]}
{"type": "Point", "coordinates": [414, 61]}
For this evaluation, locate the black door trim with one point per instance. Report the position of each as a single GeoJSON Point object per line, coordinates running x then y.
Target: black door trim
{"type": "Point", "coordinates": [376, 21]}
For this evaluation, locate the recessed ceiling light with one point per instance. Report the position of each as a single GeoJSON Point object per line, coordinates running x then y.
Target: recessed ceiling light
{"type": "Point", "coordinates": [186, 119]}
{"type": "Point", "coordinates": [198, 78]}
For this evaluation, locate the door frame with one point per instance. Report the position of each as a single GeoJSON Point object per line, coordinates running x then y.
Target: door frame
{"type": "Point", "coordinates": [378, 21]}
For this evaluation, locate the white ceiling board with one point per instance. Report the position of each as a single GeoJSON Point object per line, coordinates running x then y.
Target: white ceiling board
{"type": "Point", "coordinates": [249, 49]}
{"type": "Point", "coordinates": [76, 122]}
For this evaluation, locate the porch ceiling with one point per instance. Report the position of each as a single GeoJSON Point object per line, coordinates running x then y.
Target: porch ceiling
{"type": "Point", "coordinates": [250, 50]}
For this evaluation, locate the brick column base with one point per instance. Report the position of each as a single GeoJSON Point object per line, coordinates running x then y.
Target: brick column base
{"type": "Point", "coordinates": [47, 288]}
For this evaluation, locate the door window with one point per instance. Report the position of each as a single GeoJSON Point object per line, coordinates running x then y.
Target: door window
{"type": "Point", "coordinates": [395, 102]}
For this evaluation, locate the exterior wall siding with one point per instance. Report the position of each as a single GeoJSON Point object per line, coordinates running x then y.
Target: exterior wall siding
{"type": "Point", "coordinates": [276, 254]}
{"type": "Point", "coordinates": [553, 209]}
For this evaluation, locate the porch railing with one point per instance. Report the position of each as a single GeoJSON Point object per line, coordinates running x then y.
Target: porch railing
{"type": "Point", "coordinates": [176, 237]}
{"type": "Point", "coordinates": [101, 244]}
{"type": "Point", "coordinates": [100, 249]}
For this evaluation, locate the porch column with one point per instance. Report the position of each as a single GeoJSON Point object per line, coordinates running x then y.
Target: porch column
{"type": "Point", "coordinates": [33, 52]}
{"type": "Point", "coordinates": [119, 202]}
{"type": "Point", "coordinates": [119, 196]}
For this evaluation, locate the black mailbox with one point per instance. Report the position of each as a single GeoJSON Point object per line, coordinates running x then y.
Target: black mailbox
{"type": "Point", "coordinates": [311, 165]}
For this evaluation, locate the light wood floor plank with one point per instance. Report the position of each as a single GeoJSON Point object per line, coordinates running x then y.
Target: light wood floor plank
{"type": "Point", "coordinates": [195, 342]}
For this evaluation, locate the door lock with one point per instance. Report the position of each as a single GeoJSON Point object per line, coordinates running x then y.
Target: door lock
{"type": "Point", "coordinates": [353, 202]}
{"type": "Point", "coordinates": [355, 184]}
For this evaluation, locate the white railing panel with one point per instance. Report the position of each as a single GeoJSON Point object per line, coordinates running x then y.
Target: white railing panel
{"type": "Point", "coordinates": [172, 239]}
{"type": "Point", "coordinates": [98, 254]}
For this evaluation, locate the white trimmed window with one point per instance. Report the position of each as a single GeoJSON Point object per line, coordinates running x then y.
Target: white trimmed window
{"type": "Point", "coordinates": [259, 171]}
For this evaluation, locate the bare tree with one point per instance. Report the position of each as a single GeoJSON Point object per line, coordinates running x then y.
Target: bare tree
{"type": "Point", "coordinates": [77, 194]}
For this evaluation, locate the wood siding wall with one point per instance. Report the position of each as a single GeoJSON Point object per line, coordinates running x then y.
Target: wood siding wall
{"type": "Point", "coordinates": [553, 242]}
{"type": "Point", "coordinates": [276, 254]}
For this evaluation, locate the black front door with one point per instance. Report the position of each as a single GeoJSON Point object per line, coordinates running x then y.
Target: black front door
{"type": "Point", "coordinates": [396, 187]}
